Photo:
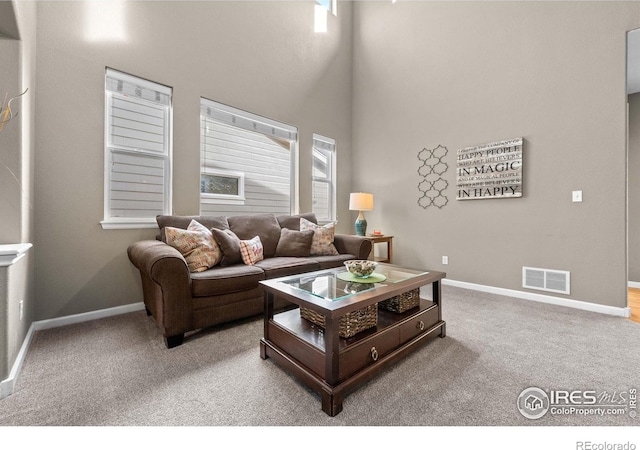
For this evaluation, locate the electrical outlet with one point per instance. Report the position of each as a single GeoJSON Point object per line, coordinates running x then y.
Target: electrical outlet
{"type": "Point", "coordinates": [21, 309]}
{"type": "Point", "coordinates": [445, 260]}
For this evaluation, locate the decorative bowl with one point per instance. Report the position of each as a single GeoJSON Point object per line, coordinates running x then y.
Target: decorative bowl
{"type": "Point", "coordinates": [361, 267]}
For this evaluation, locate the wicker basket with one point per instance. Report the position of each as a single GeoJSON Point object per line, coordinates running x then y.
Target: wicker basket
{"type": "Point", "coordinates": [403, 302]}
{"type": "Point", "coordinates": [350, 324]}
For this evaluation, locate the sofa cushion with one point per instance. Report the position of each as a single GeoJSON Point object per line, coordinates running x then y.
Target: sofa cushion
{"type": "Point", "coordinates": [329, 262]}
{"type": "Point", "coordinates": [322, 243]}
{"type": "Point", "coordinates": [224, 280]}
{"type": "Point", "coordinates": [230, 245]}
{"type": "Point", "coordinates": [196, 244]}
{"type": "Point", "coordinates": [294, 243]}
{"type": "Point", "coordinates": [264, 225]}
{"type": "Point", "coordinates": [184, 221]}
{"type": "Point", "coordinates": [284, 266]}
{"type": "Point", "coordinates": [251, 251]}
{"type": "Point", "coordinates": [293, 222]}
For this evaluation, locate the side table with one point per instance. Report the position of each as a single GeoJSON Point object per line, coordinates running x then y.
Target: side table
{"type": "Point", "coordinates": [381, 239]}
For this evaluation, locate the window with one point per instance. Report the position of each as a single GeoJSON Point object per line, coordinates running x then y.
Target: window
{"type": "Point", "coordinates": [324, 175]}
{"type": "Point", "coordinates": [322, 8]}
{"type": "Point", "coordinates": [222, 185]}
{"type": "Point", "coordinates": [137, 151]}
{"type": "Point", "coordinates": [329, 5]}
{"type": "Point", "coordinates": [247, 162]}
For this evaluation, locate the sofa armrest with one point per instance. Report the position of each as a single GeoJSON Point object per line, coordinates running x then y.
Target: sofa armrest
{"type": "Point", "coordinates": [358, 246]}
{"type": "Point", "coordinates": [166, 284]}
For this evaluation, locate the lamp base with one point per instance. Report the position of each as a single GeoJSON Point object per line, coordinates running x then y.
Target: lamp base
{"type": "Point", "coordinates": [361, 227]}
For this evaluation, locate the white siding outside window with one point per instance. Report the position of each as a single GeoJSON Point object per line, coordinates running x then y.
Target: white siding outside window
{"type": "Point", "coordinates": [323, 178]}
{"type": "Point", "coordinates": [137, 151]}
{"type": "Point", "coordinates": [247, 162]}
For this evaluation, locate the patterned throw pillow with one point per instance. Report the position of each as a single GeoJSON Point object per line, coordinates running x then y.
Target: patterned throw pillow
{"type": "Point", "coordinates": [322, 243]}
{"type": "Point", "coordinates": [251, 251]}
{"type": "Point", "coordinates": [196, 244]}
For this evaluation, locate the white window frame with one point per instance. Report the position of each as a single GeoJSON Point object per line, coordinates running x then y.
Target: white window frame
{"type": "Point", "coordinates": [141, 89]}
{"type": "Point", "coordinates": [326, 146]}
{"type": "Point", "coordinates": [237, 199]}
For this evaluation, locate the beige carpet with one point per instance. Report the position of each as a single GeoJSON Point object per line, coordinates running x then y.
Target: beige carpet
{"type": "Point", "coordinates": [116, 371]}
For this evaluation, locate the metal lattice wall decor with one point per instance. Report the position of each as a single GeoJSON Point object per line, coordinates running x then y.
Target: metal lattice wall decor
{"type": "Point", "coordinates": [431, 170]}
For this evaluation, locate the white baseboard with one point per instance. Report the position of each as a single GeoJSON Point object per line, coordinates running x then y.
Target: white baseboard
{"type": "Point", "coordinates": [634, 284]}
{"type": "Point", "coordinates": [593, 307]}
{"type": "Point", "coordinates": [7, 385]}
{"type": "Point", "coordinates": [86, 317]}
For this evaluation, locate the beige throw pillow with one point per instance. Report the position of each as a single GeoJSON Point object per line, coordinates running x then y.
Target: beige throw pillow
{"type": "Point", "coordinates": [322, 243]}
{"type": "Point", "coordinates": [196, 245]}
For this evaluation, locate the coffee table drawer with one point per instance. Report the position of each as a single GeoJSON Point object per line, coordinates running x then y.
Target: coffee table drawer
{"type": "Point", "coordinates": [360, 355]}
{"type": "Point", "coordinates": [419, 324]}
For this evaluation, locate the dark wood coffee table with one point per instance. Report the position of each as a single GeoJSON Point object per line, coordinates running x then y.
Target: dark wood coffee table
{"type": "Point", "coordinates": [331, 365]}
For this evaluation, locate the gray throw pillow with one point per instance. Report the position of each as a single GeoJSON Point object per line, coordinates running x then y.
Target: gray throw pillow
{"type": "Point", "coordinates": [294, 243]}
{"type": "Point", "coordinates": [229, 244]}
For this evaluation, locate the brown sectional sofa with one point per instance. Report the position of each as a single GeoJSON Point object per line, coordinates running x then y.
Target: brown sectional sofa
{"type": "Point", "coordinates": [181, 301]}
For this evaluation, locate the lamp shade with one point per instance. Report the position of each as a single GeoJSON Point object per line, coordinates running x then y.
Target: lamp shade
{"type": "Point", "coordinates": [360, 201]}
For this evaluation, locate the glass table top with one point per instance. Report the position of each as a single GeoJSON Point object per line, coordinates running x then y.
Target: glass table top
{"type": "Point", "coordinates": [328, 285]}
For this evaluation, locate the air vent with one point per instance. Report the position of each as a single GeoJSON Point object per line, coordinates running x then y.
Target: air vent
{"type": "Point", "coordinates": [546, 280]}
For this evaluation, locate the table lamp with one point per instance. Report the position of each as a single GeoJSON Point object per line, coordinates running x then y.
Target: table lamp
{"type": "Point", "coordinates": [360, 201]}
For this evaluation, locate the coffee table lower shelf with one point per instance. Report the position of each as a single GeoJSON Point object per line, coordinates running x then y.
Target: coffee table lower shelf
{"type": "Point", "coordinates": [298, 346]}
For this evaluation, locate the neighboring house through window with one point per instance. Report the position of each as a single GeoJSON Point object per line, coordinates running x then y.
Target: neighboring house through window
{"type": "Point", "coordinates": [138, 120]}
{"type": "Point", "coordinates": [324, 175]}
{"type": "Point", "coordinates": [247, 162]}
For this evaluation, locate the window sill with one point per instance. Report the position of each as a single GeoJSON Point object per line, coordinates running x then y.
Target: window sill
{"type": "Point", "coordinates": [128, 224]}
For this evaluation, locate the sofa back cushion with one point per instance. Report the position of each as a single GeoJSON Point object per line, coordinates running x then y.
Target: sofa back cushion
{"type": "Point", "coordinates": [293, 222]}
{"type": "Point", "coordinates": [183, 222]}
{"type": "Point", "coordinates": [264, 225]}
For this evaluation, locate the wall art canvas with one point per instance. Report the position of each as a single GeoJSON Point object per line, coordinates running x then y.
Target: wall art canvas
{"type": "Point", "coordinates": [490, 171]}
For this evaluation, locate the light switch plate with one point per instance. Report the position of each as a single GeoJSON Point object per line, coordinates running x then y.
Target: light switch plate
{"type": "Point", "coordinates": [577, 196]}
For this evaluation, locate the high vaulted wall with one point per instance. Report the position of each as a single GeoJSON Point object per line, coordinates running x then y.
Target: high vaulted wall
{"type": "Point", "coordinates": [386, 81]}
{"type": "Point", "coordinates": [263, 57]}
{"type": "Point", "coordinates": [461, 74]}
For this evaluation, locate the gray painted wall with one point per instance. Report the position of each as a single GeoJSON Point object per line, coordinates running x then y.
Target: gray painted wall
{"type": "Point", "coordinates": [461, 74]}
{"type": "Point", "coordinates": [421, 74]}
{"type": "Point", "coordinates": [17, 148]}
{"type": "Point", "coordinates": [10, 150]}
{"type": "Point", "coordinates": [262, 57]}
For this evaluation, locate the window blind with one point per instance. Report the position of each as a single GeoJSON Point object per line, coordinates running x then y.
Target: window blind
{"type": "Point", "coordinates": [257, 151]}
{"type": "Point", "coordinates": [247, 121]}
{"type": "Point", "coordinates": [137, 151]}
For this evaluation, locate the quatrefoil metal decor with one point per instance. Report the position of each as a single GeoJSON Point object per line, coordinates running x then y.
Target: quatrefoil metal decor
{"type": "Point", "coordinates": [431, 169]}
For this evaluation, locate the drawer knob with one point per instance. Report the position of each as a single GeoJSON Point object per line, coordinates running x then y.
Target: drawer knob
{"type": "Point", "coordinates": [374, 354]}
{"type": "Point", "coordinates": [420, 325]}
